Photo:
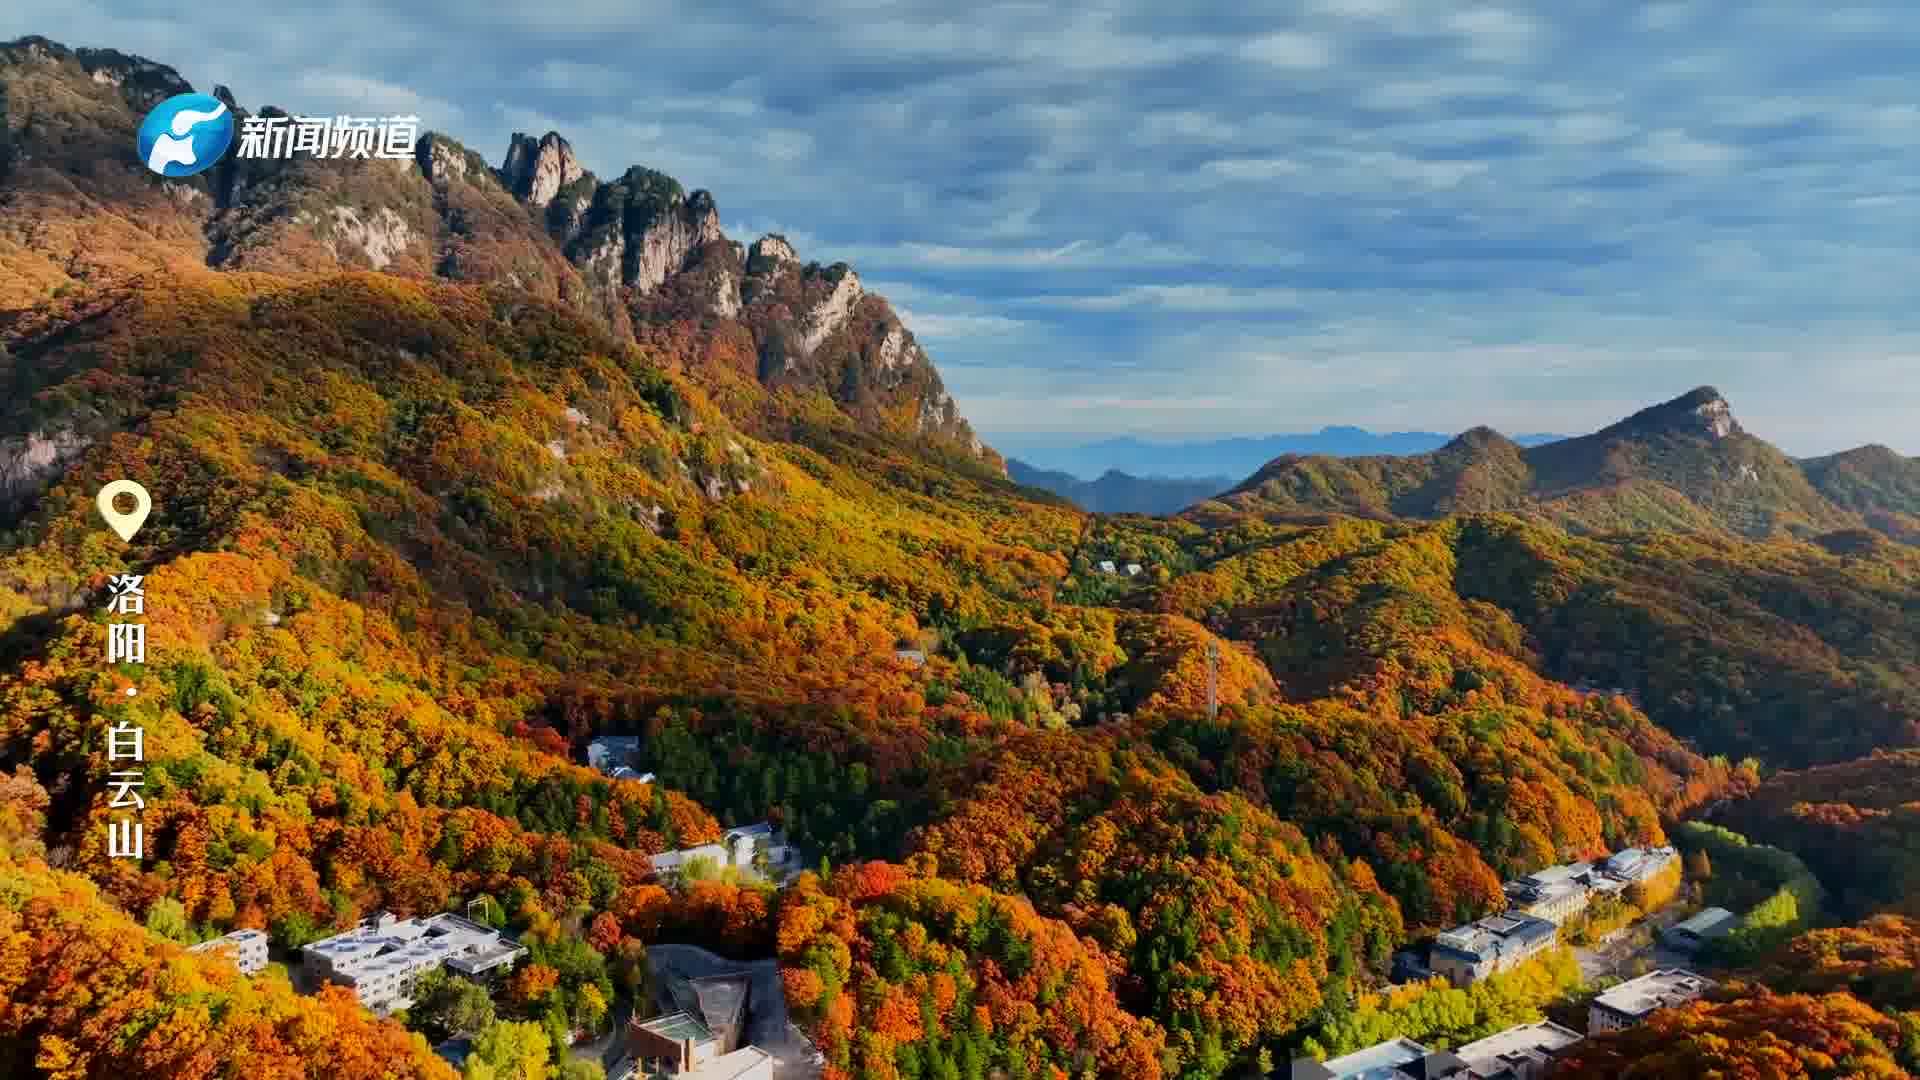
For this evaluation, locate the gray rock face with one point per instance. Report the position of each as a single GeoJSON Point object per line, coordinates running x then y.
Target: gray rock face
{"type": "Point", "coordinates": [769, 254]}
{"type": "Point", "coordinates": [536, 170]}
{"type": "Point", "coordinates": [440, 161]}
{"type": "Point", "coordinates": [645, 224]}
{"type": "Point", "coordinates": [831, 313]}
{"type": "Point", "coordinates": [28, 464]}
{"type": "Point", "coordinates": [662, 245]}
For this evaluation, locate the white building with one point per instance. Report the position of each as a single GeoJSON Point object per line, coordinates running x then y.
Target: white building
{"type": "Point", "coordinates": [1525, 1052]}
{"type": "Point", "coordinates": [1106, 566]}
{"type": "Point", "coordinates": [1467, 954]}
{"type": "Point", "coordinates": [1636, 864]}
{"type": "Point", "coordinates": [1395, 1059]}
{"type": "Point", "coordinates": [382, 959]}
{"type": "Point", "coordinates": [610, 752]}
{"type": "Point", "coordinates": [737, 850]}
{"type": "Point", "coordinates": [1555, 894]}
{"type": "Point", "coordinates": [1133, 569]}
{"type": "Point", "coordinates": [1629, 1003]}
{"type": "Point", "coordinates": [247, 947]}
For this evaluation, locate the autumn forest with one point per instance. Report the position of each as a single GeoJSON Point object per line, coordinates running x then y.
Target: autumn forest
{"type": "Point", "coordinates": [423, 531]}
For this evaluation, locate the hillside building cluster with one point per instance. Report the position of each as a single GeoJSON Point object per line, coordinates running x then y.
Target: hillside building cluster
{"type": "Point", "coordinates": [381, 960]}
{"type": "Point", "coordinates": [1523, 1052]}
{"type": "Point", "coordinates": [1559, 893]}
{"type": "Point", "coordinates": [759, 851]}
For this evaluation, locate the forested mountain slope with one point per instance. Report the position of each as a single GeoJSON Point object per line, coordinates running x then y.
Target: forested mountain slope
{"type": "Point", "coordinates": [1684, 465]}
{"type": "Point", "coordinates": [421, 530]}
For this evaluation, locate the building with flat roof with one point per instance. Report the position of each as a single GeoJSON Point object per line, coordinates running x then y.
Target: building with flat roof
{"type": "Point", "coordinates": [1467, 954]}
{"type": "Point", "coordinates": [1395, 1059]}
{"type": "Point", "coordinates": [1636, 864]}
{"type": "Point", "coordinates": [1629, 1003]}
{"type": "Point", "coordinates": [677, 1043]}
{"type": "Point", "coordinates": [247, 947]}
{"type": "Point", "coordinates": [684, 1046]}
{"type": "Point", "coordinates": [746, 1063]}
{"type": "Point", "coordinates": [1525, 1052]}
{"type": "Point", "coordinates": [609, 752]}
{"type": "Point", "coordinates": [737, 850]}
{"type": "Point", "coordinates": [382, 959]}
{"type": "Point", "coordinates": [1695, 933]}
{"type": "Point", "coordinates": [1555, 894]}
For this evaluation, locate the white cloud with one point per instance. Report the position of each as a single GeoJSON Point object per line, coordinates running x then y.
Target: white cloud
{"type": "Point", "coordinates": [344, 92]}
{"type": "Point", "coordinates": [1289, 49]}
{"type": "Point", "coordinates": [1183, 124]}
{"type": "Point", "coordinates": [1585, 128]}
{"type": "Point", "coordinates": [1678, 151]}
{"type": "Point", "coordinates": [1252, 168]}
{"type": "Point", "coordinates": [932, 328]}
{"type": "Point", "coordinates": [1497, 34]}
{"type": "Point", "coordinates": [1181, 297]}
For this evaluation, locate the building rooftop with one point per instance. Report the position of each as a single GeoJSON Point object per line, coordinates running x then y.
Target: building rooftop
{"type": "Point", "coordinates": [1707, 922]}
{"type": "Point", "coordinates": [1535, 1042]}
{"type": "Point", "coordinates": [677, 1027]}
{"type": "Point", "coordinates": [1482, 937]}
{"type": "Point", "coordinates": [722, 998]}
{"type": "Point", "coordinates": [1655, 990]}
{"type": "Point", "coordinates": [1629, 861]}
{"type": "Point", "coordinates": [728, 1066]}
{"type": "Point", "coordinates": [1381, 1061]}
{"type": "Point", "coordinates": [237, 937]}
{"type": "Point", "coordinates": [384, 942]}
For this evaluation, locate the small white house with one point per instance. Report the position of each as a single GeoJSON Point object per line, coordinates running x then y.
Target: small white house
{"type": "Point", "coordinates": [247, 947]}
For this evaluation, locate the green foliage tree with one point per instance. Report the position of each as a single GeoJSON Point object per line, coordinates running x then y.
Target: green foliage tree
{"type": "Point", "coordinates": [448, 1006]}
{"type": "Point", "coordinates": [168, 918]}
{"type": "Point", "coordinates": [510, 1050]}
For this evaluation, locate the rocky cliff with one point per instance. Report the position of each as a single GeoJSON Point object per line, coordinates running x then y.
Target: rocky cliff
{"type": "Point", "coordinates": [642, 255]}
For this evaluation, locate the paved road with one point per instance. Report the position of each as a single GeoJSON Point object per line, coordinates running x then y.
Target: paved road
{"type": "Point", "coordinates": [608, 1048]}
{"type": "Point", "coordinates": [1614, 955]}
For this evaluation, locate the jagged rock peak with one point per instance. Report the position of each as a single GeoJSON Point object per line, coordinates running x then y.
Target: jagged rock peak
{"type": "Point", "coordinates": [769, 253]}
{"type": "Point", "coordinates": [536, 169]}
{"type": "Point", "coordinates": [443, 160]}
{"type": "Point", "coordinates": [142, 82]}
{"type": "Point", "coordinates": [1700, 411]}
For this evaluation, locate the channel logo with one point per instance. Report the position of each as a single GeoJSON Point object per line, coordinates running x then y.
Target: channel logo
{"type": "Point", "coordinates": [185, 134]}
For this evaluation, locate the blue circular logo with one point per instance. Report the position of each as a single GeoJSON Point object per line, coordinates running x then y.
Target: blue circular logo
{"type": "Point", "coordinates": [185, 134]}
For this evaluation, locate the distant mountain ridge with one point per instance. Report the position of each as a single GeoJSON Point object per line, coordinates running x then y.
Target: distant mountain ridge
{"type": "Point", "coordinates": [1116, 492]}
{"type": "Point", "coordinates": [1684, 464]}
{"type": "Point", "coordinates": [1233, 457]}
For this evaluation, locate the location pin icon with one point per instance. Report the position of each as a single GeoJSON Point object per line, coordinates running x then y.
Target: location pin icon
{"type": "Point", "coordinates": [124, 524]}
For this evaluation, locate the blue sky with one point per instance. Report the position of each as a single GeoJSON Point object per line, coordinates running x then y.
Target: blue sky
{"type": "Point", "coordinates": [1404, 214]}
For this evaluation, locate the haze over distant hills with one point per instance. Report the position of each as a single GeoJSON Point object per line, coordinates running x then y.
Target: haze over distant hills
{"type": "Point", "coordinates": [1235, 457]}
{"type": "Point", "coordinates": [1116, 492]}
{"type": "Point", "coordinates": [1685, 464]}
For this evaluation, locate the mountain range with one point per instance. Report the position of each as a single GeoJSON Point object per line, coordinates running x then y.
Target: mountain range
{"type": "Point", "coordinates": [1685, 464]}
{"type": "Point", "coordinates": [1115, 492]}
{"type": "Point", "coordinates": [1232, 457]}
{"type": "Point", "coordinates": [456, 468]}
